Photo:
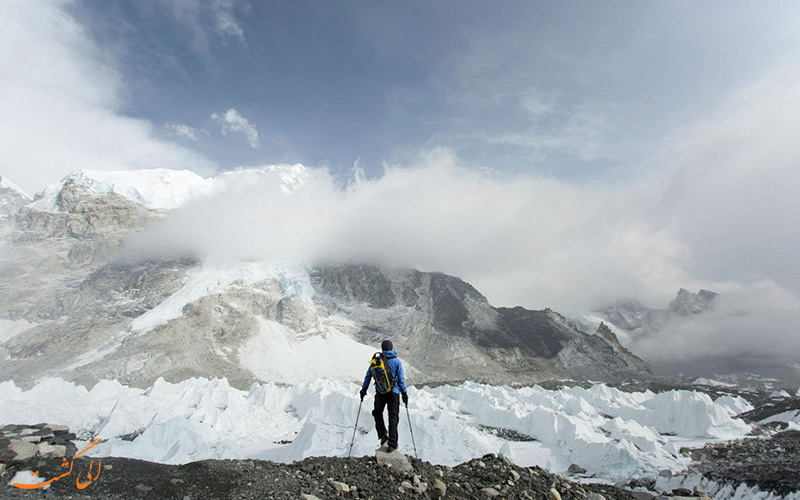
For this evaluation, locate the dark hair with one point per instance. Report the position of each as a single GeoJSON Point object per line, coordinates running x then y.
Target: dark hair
{"type": "Point", "coordinates": [386, 345]}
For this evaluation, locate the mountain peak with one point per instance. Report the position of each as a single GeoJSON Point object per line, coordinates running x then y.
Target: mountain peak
{"type": "Point", "coordinates": [687, 303]}
{"type": "Point", "coordinates": [12, 197]}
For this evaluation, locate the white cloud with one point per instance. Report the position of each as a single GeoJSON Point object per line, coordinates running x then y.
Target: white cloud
{"type": "Point", "coordinates": [225, 21]}
{"type": "Point", "coordinates": [61, 103]}
{"type": "Point", "coordinates": [233, 121]}
{"type": "Point", "coordinates": [204, 16]}
{"type": "Point", "coordinates": [582, 133]}
{"type": "Point", "coordinates": [191, 133]}
{"type": "Point", "coordinates": [524, 240]}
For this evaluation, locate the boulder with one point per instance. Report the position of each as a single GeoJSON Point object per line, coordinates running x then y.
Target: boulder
{"type": "Point", "coordinates": [439, 488]}
{"type": "Point", "coordinates": [595, 496]}
{"type": "Point", "coordinates": [23, 449]}
{"type": "Point", "coordinates": [490, 492]}
{"type": "Point", "coordinates": [340, 487]}
{"type": "Point", "coordinates": [554, 494]}
{"type": "Point", "coordinates": [396, 460]}
{"type": "Point", "coordinates": [643, 495]}
{"type": "Point", "coordinates": [576, 469]}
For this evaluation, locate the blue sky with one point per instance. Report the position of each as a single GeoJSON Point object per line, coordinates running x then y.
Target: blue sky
{"type": "Point", "coordinates": [567, 89]}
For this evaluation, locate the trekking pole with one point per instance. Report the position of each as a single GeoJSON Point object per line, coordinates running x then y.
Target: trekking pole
{"type": "Point", "coordinates": [354, 428]}
{"type": "Point", "coordinates": [412, 433]}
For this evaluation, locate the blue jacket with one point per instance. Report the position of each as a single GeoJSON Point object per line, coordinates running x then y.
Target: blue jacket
{"type": "Point", "coordinates": [395, 368]}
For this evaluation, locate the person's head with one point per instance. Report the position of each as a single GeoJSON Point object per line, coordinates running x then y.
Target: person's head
{"type": "Point", "coordinates": [386, 345]}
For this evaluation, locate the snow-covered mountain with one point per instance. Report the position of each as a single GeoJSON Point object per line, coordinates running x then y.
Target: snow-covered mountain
{"type": "Point", "coordinates": [634, 319]}
{"type": "Point", "coordinates": [69, 306]}
{"type": "Point", "coordinates": [11, 197]}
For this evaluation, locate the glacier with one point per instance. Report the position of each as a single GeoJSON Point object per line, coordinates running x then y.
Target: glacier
{"type": "Point", "coordinates": [612, 434]}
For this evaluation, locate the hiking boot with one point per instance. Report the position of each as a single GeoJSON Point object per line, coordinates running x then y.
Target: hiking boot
{"type": "Point", "coordinates": [390, 449]}
{"type": "Point", "coordinates": [384, 438]}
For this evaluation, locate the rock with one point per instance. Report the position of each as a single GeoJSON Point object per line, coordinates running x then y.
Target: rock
{"type": "Point", "coordinates": [406, 485]}
{"type": "Point", "coordinates": [340, 487]}
{"type": "Point", "coordinates": [108, 467]}
{"type": "Point", "coordinates": [59, 450]}
{"type": "Point", "coordinates": [2, 468]}
{"type": "Point", "coordinates": [415, 479]}
{"type": "Point", "coordinates": [665, 473]}
{"type": "Point", "coordinates": [307, 496]}
{"type": "Point", "coordinates": [23, 449]}
{"type": "Point", "coordinates": [643, 495]}
{"type": "Point", "coordinates": [480, 464]}
{"type": "Point", "coordinates": [31, 439]}
{"type": "Point", "coordinates": [423, 487]}
{"type": "Point", "coordinates": [143, 488]}
{"type": "Point", "coordinates": [515, 475]}
{"type": "Point", "coordinates": [176, 480]}
{"type": "Point", "coordinates": [57, 429]}
{"type": "Point", "coordinates": [45, 449]}
{"type": "Point", "coordinates": [681, 492]}
{"type": "Point", "coordinates": [396, 460]}
{"type": "Point", "coordinates": [439, 488]}
{"type": "Point", "coordinates": [595, 496]}
{"type": "Point", "coordinates": [699, 491]}
{"type": "Point", "coordinates": [698, 456]}
{"type": "Point", "coordinates": [490, 492]}
{"type": "Point", "coordinates": [575, 469]}
{"type": "Point", "coordinates": [400, 489]}
{"type": "Point", "coordinates": [6, 455]}
{"type": "Point", "coordinates": [554, 494]}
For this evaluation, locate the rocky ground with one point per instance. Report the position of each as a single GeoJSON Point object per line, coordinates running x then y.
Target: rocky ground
{"type": "Point", "coordinates": [772, 464]}
{"type": "Point", "coordinates": [322, 477]}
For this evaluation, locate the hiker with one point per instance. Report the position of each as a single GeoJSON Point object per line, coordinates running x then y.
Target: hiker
{"type": "Point", "coordinates": [387, 392]}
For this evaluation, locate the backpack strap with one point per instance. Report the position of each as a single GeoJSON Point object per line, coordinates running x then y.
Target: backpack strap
{"type": "Point", "coordinates": [388, 370]}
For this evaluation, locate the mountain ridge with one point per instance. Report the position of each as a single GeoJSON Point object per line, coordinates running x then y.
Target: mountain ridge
{"type": "Point", "coordinates": [87, 314]}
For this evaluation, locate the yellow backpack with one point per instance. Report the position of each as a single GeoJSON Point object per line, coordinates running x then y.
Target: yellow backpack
{"type": "Point", "coordinates": [379, 367]}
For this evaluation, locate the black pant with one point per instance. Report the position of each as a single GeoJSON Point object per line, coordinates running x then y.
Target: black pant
{"type": "Point", "coordinates": [391, 400]}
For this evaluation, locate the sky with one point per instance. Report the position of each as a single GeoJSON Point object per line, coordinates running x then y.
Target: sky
{"type": "Point", "coordinates": [551, 153]}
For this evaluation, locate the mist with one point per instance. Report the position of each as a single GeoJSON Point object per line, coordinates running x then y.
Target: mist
{"type": "Point", "coordinates": [715, 208]}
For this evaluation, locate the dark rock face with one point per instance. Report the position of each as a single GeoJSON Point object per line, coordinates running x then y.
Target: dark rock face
{"type": "Point", "coordinates": [535, 330]}
{"type": "Point", "coordinates": [446, 329]}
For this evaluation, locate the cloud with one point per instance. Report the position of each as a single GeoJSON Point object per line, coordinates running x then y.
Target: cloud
{"type": "Point", "coordinates": [233, 121]}
{"type": "Point", "coordinates": [750, 328]}
{"type": "Point", "coordinates": [215, 16]}
{"type": "Point", "coordinates": [522, 240]}
{"type": "Point", "coordinates": [583, 132]}
{"type": "Point", "coordinates": [716, 209]}
{"type": "Point", "coordinates": [61, 103]}
{"type": "Point", "coordinates": [186, 132]}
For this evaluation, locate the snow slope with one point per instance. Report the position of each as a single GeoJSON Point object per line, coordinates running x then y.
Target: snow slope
{"type": "Point", "coordinates": [7, 184]}
{"type": "Point", "coordinates": [165, 189]}
{"type": "Point", "coordinates": [612, 434]}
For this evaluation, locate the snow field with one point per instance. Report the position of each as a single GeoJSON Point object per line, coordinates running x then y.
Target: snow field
{"type": "Point", "coordinates": [612, 434]}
